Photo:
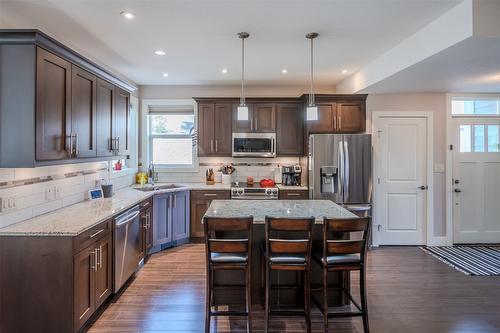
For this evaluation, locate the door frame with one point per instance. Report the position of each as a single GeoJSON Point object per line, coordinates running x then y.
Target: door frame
{"type": "Point", "coordinates": [430, 239]}
{"type": "Point", "coordinates": [449, 155]}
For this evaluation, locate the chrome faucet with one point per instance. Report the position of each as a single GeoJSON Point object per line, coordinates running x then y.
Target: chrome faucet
{"type": "Point", "coordinates": [152, 174]}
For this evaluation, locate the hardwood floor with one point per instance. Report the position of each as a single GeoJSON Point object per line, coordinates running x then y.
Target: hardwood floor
{"type": "Point", "coordinates": [408, 291]}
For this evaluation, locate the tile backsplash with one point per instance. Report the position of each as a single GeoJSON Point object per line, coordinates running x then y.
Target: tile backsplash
{"type": "Point", "coordinates": [258, 168]}
{"type": "Point", "coordinates": [36, 191]}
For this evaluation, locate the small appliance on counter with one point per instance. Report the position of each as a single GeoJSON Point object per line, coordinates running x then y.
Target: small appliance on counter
{"type": "Point", "coordinates": [292, 175]}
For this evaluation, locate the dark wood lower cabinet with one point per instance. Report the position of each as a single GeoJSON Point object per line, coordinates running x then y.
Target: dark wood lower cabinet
{"type": "Point", "coordinates": [147, 227]}
{"type": "Point", "coordinates": [294, 195]}
{"type": "Point", "coordinates": [200, 201]}
{"type": "Point", "coordinates": [54, 283]}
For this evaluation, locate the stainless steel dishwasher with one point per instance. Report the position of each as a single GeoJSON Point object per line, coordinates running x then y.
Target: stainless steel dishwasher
{"type": "Point", "coordinates": [127, 246]}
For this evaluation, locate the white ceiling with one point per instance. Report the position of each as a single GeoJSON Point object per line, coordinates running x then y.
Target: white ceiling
{"type": "Point", "coordinates": [470, 66]}
{"type": "Point", "coordinates": [200, 36]}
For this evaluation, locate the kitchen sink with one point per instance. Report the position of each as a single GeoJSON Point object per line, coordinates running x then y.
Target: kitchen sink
{"type": "Point", "coordinates": [157, 187]}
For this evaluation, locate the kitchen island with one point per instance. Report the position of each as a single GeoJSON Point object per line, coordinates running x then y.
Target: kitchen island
{"type": "Point", "coordinates": [259, 209]}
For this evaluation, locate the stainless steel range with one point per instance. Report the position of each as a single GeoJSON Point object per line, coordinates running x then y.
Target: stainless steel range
{"type": "Point", "coordinates": [243, 191]}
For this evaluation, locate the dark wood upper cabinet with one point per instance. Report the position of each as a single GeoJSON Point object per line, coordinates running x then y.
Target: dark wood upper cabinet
{"type": "Point", "coordinates": [83, 112]}
{"type": "Point", "coordinates": [261, 118]}
{"type": "Point", "coordinates": [214, 129]}
{"type": "Point", "coordinates": [104, 116]}
{"type": "Point", "coordinates": [326, 119]}
{"type": "Point", "coordinates": [264, 118]}
{"type": "Point", "coordinates": [69, 102]}
{"type": "Point", "coordinates": [242, 126]}
{"type": "Point", "coordinates": [121, 122]}
{"type": "Point", "coordinates": [223, 131]}
{"type": "Point", "coordinates": [53, 106]}
{"type": "Point", "coordinates": [351, 117]}
{"type": "Point", "coordinates": [206, 128]}
{"type": "Point", "coordinates": [289, 130]}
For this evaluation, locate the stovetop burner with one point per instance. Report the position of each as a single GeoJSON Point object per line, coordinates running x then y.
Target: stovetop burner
{"type": "Point", "coordinates": [246, 185]}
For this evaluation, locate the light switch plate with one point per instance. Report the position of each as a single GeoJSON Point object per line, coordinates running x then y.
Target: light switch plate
{"type": "Point", "coordinates": [7, 204]}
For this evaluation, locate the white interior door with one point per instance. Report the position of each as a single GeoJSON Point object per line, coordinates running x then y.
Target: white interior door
{"type": "Point", "coordinates": [476, 180]}
{"type": "Point", "coordinates": [401, 193]}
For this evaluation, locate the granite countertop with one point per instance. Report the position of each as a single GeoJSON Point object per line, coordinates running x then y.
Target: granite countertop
{"type": "Point", "coordinates": [77, 218]}
{"type": "Point", "coordinates": [259, 209]}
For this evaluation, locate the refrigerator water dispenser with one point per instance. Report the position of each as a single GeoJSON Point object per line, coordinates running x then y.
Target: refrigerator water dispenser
{"type": "Point", "coordinates": [329, 179]}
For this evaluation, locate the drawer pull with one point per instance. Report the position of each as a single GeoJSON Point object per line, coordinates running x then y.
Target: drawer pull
{"type": "Point", "coordinates": [97, 233]}
{"type": "Point", "coordinates": [293, 194]}
{"type": "Point", "coordinates": [210, 194]}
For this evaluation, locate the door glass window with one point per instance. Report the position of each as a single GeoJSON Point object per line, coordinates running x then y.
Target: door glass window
{"type": "Point", "coordinates": [478, 138]}
{"type": "Point", "coordinates": [493, 138]}
{"type": "Point", "coordinates": [465, 139]}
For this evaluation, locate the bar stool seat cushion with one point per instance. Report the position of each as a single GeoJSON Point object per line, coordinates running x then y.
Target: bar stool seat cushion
{"type": "Point", "coordinates": [228, 257]}
{"type": "Point", "coordinates": [287, 258]}
{"type": "Point", "coordinates": [339, 259]}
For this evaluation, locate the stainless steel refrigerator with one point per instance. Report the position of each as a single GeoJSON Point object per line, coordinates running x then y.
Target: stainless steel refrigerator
{"type": "Point", "coordinates": [340, 169]}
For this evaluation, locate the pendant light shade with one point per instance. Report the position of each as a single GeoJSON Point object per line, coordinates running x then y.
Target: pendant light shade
{"type": "Point", "coordinates": [242, 113]}
{"type": "Point", "coordinates": [312, 109]}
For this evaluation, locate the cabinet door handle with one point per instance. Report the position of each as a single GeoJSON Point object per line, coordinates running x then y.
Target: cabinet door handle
{"type": "Point", "coordinates": [175, 200]}
{"type": "Point", "coordinates": [69, 147]}
{"type": "Point", "coordinates": [148, 221]}
{"type": "Point", "coordinates": [256, 124]}
{"type": "Point", "coordinates": [216, 145]}
{"type": "Point", "coordinates": [93, 260]}
{"type": "Point", "coordinates": [76, 145]}
{"type": "Point", "coordinates": [96, 233]}
{"type": "Point", "coordinates": [117, 144]}
{"type": "Point", "coordinates": [293, 194]}
{"type": "Point", "coordinates": [210, 195]}
{"type": "Point", "coordinates": [212, 145]}
{"type": "Point", "coordinates": [100, 256]}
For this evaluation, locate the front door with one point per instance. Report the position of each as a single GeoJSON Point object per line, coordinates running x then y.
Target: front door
{"type": "Point", "coordinates": [401, 188]}
{"type": "Point", "coordinates": [476, 180]}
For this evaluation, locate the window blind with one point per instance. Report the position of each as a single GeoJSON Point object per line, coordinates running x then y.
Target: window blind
{"type": "Point", "coordinates": [171, 109]}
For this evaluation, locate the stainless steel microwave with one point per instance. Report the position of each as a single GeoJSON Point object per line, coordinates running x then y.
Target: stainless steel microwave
{"type": "Point", "coordinates": [254, 144]}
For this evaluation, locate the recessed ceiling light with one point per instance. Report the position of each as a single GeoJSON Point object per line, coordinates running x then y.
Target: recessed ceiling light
{"type": "Point", "coordinates": [224, 71]}
{"type": "Point", "coordinates": [284, 71]}
{"type": "Point", "coordinates": [344, 71]}
{"type": "Point", "coordinates": [165, 74]}
{"type": "Point", "coordinates": [128, 15]}
{"type": "Point", "coordinates": [160, 52]}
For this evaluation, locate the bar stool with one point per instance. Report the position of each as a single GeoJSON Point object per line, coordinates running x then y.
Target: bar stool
{"type": "Point", "coordinates": [344, 255]}
{"type": "Point", "coordinates": [228, 254]}
{"type": "Point", "coordinates": [290, 253]}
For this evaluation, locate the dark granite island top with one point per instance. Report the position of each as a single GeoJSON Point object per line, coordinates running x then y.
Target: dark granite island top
{"type": "Point", "coordinates": [259, 209]}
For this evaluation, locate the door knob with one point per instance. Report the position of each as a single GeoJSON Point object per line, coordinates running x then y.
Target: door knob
{"type": "Point", "coordinates": [457, 190]}
{"type": "Point", "coordinates": [424, 187]}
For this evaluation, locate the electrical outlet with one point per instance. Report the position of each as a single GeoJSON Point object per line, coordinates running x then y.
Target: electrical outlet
{"type": "Point", "coordinates": [49, 194]}
{"type": "Point", "coordinates": [57, 192]}
{"type": "Point", "coordinates": [8, 204]}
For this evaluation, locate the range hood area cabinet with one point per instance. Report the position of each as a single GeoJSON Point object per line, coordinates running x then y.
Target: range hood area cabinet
{"type": "Point", "coordinates": [261, 118]}
{"type": "Point", "coordinates": [56, 106]}
{"type": "Point", "coordinates": [217, 120]}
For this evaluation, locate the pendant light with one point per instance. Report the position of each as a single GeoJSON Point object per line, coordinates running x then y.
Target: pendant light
{"type": "Point", "coordinates": [242, 113]}
{"type": "Point", "coordinates": [312, 109]}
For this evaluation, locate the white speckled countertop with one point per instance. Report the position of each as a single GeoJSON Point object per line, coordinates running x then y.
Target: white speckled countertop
{"type": "Point", "coordinates": [259, 209]}
{"type": "Point", "coordinates": [75, 219]}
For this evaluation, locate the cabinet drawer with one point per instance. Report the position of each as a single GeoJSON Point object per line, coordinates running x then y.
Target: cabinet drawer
{"type": "Point", "coordinates": [93, 234]}
{"type": "Point", "coordinates": [211, 195]}
{"type": "Point", "coordinates": [294, 195]}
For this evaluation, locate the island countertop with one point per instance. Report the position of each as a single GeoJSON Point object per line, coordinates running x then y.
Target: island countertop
{"type": "Point", "coordinates": [259, 209]}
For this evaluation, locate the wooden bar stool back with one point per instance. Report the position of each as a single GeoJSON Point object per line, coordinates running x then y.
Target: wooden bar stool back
{"type": "Point", "coordinates": [227, 253]}
{"type": "Point", "coordinates": [344, 255]}
{"type": "Point", "coordinates": [290, 253]}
